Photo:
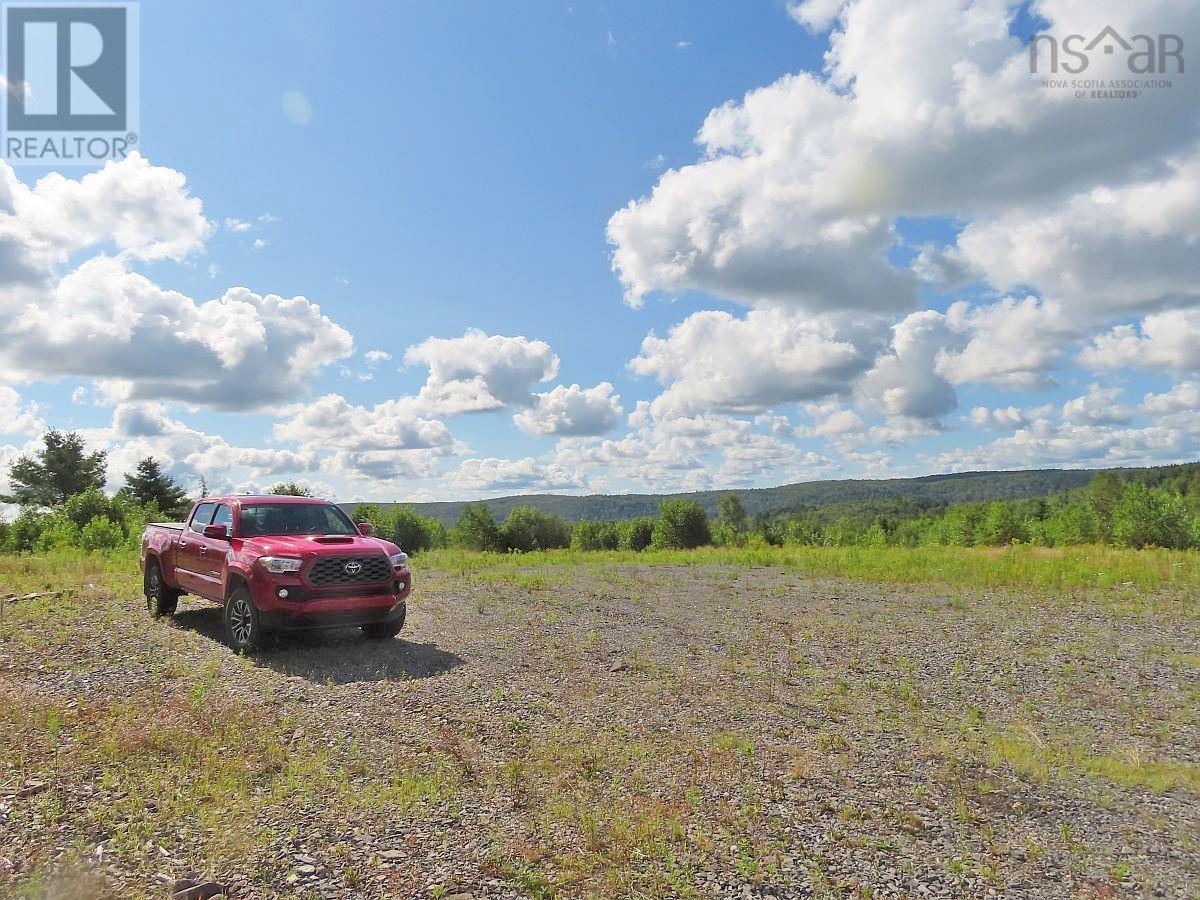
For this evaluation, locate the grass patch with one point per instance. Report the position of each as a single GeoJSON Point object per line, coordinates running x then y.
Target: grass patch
{"type": "Point", "coordinates": [194, 761]}
{"type": "Point", "coordinates": [1040, 759]}
{"type": "Point", "coordinates": [1021, 565]}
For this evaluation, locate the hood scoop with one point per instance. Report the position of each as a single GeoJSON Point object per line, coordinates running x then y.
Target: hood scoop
{"type": "Point", "coordinates": [332, 539]}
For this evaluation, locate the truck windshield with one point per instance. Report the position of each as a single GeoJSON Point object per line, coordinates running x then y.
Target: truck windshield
{"type": "Point", "coordinates": [294, 518]}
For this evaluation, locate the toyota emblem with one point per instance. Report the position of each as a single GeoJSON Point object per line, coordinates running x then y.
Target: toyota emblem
{"type": "Point", "coordinates": [352, 567]}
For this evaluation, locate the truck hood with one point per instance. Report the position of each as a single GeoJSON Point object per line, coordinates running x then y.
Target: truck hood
{"type": "Point", "coordinates": [304, 545]}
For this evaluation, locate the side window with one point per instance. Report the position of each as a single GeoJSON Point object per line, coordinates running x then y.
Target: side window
{"type": "Point", "coordinates": [202, 517]}
{"type": "Point", "coordinates": [224, 517]}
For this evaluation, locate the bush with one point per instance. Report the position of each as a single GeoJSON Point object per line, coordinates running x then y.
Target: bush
{"type": "Point", "coordinates": [476, 529]}
{"type": "Point", "coordinates": [1145, 518]}
{"type": "Point", "coordinates": [875, 536]}
{"type": "Point", "coordinates": [414, 533]}
{"type": "Point", "coordinates": [401, 525]}
{"type": "Point", "coordinates": [591, 535]}
{"type": "Point", "coordinates": [681, 525]}
{"type": "Point", "coordinates": [137, 517]}
{"type": "Point", "coordinates": [910, 532]}
{"type": "Point", "coordinates": [1000, 525]}
{"type": "Point", "coordinates": [89, 504]}
{"type": "Point", "coordinates": [528, 529]}
{"type": "Point", "coordinates": [843, 533]}
{"type": "Point", "coordinates": [956, 528]}
{"type": "Point", "coordinates": [25, 531]}
{"type": "Point", "coordinates": [58, 532]}
{"type": "Point", "coordinates": [726, 535]}
{"type": "Point", "coordinates": [636, 534]}
{"type": "Point", "coordinates": [796, 531]}
{"type": "Point", "coordinates": [1068, 526]}
{"type": "Point", "coordinates": [101, 534]}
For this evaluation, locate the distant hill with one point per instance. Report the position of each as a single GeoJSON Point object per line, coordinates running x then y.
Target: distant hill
{"type": "Point", "coordinates": [930, 490]}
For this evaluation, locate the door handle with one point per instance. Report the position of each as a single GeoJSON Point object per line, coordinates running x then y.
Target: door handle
{"type": "Point", "coordinates": [183, 545]}
{"type": "Point", "coordinates": [204, 551]}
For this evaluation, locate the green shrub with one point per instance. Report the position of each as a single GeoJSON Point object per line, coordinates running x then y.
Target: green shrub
{"type": "Point", "coordinates": [476, 529]}
{"type": "Point", "coordinates": [588, 534]}
{"type": "Point", "coordinates": [999, 525]}
{"type": "Point", "coordinates": [528, 529]}
{"type": "Point", "coordinates": [681, 525]}
{"type": "Point", "coordinates": [911, 533]}
{"type": "Point", "coordinates": [876, 536]}
{"type": "Point", "coordinates": [1146, 518]}
{"type": "Point", "coordinates": [797, 531]}
{"type": "Point", "coordinates": [57, 532]}
{"type": "Point", "coordinates": [25, 531]}
{"type": "Point", "coordinates": [1067, 526]}
{"type": "Point", "coordinates": [957, 528]}
{"type": "Point", "coordinates": [401, 525]}
{"type": "Point", "coordinates": [843, 533]}
{"type": "Point", "coordinates": [636, 534]}
{"type": "Point", "coordinates": [85, 506]}
{"type": "Point", "coordinates": [726, 535]}
{"type": "Point", "coordinates": [414, 533]}
{"type": "Point", "coordinates": [101, 534]}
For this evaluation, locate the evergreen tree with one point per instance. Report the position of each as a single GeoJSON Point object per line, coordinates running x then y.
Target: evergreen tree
{"type": "Point", "coordinates": [149, 484]}
{"type": "Point", "coordinates": [61, 469]}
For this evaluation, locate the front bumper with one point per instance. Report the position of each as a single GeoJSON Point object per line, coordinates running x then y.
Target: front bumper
{"type": "Point", "coordinates": [288, 620]}
{"type": "Point", "coordinates": [307, 607]}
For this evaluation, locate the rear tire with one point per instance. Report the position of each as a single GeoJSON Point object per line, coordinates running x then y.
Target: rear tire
{"type": "Point", "coordinates": [243, 631]}
{"type": "Point", "coordinates": [160, 599]}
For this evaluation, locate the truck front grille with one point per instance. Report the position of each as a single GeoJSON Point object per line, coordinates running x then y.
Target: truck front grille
{"type": "Point", "coordinates": [330, 571]}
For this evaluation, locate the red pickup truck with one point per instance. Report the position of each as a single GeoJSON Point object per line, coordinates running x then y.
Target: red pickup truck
{"type": "Point", "coordinates": [276, 564]}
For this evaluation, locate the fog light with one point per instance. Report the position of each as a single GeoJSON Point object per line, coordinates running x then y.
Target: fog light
{"type": "Point", "coordinates": [283, 592]}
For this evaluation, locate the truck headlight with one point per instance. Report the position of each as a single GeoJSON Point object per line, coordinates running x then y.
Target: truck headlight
{"type": "Point", "coordinates": [399, 560]}
{"type": "Point", "coordinates": [280, 564]}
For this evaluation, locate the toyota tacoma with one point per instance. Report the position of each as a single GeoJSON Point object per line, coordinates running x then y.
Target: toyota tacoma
{"type": "Point", "coordinates": [277, 564]}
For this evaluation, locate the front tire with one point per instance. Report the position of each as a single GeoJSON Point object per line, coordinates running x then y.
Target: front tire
{"type": "Point", "coordinates": [160, 599]}
{"type": "Point", "coordinates": [382, 631]}
{"type": "Point", "coordinates": [243, 631]}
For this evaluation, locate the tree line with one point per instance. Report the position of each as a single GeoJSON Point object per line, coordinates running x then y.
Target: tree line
{"type": "Point", "coordinates": [60, 490]}
{"type": "Point", "coordinates": [680, 525]}
{"type": "Point", "coordinates": [1141, 508]}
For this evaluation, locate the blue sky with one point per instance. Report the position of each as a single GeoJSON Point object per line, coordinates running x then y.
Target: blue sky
{"type": "Point", "coordinates": [836, 280]}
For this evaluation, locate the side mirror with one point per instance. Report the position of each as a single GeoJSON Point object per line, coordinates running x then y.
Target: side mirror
{"type": "Point", "coordinates": [366, 529]}
{"type": "Point", "coordinates": [219, 532]}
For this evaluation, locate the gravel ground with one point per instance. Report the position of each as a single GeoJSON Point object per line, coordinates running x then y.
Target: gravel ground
{"type": "Point", "coordinates": [626, 731]}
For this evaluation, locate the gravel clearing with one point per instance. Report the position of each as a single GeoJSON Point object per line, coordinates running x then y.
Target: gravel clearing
{"type": "Point", "coordinates": [609, 731]}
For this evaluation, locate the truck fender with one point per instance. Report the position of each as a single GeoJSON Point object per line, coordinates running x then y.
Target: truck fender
{"type": "Point", "coordinates": [235, 578]}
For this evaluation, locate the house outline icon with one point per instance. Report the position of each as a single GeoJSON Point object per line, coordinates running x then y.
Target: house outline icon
{"type": "Point", "coordinates": [1112, 34]}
